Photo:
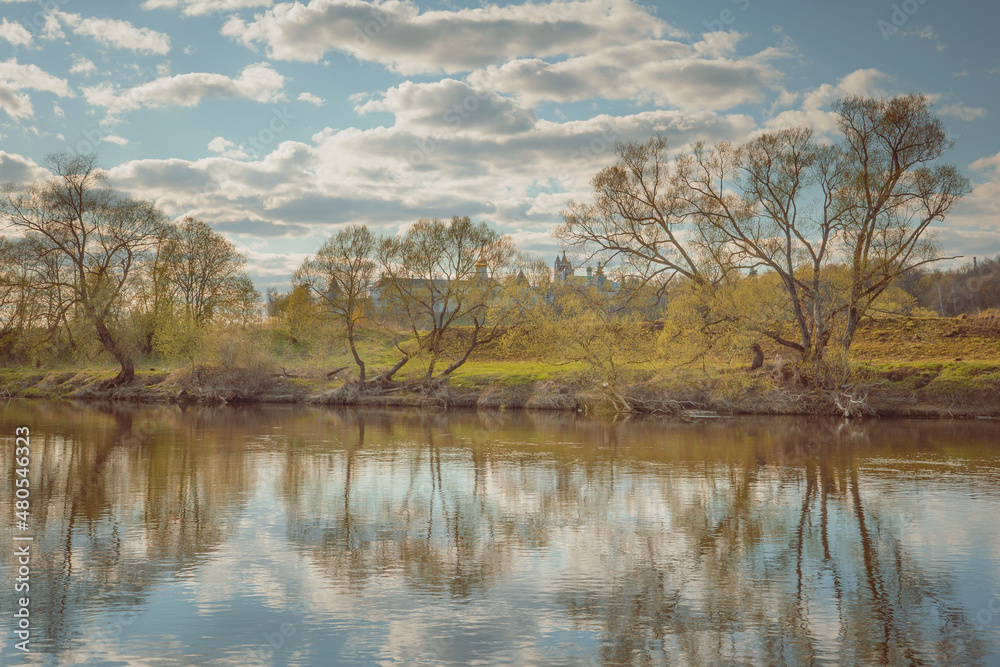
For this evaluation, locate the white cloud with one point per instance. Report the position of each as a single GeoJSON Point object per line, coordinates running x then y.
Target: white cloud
{"type": "Point", "coordinates": [16, 168]}
{"type": "Point", "coordinates": [311, 99]}
{"type": "Point", "coordinates": [665, 72]}
{"type": "Point", "coordinates": [962, 112]}
{"type": "Point", "coordinates": [396, 34]}
{"type": "Point", "coordinates": [227, 148]}
{"type": "Point", "coordinates": [200, 7]}
{"type": "Point", "coordinates": [57, 110]}
{"type": "Point", "coordinates": [15, 33]}
{"type": "Point", "coordinates": [449, 107]}
{"type": "Point", "coordinates": [987, 162]}
{"type": "Point", "coordinates": [15, 78]}
{"type": "Point", "coordinates": [118, 34]}
{"type": "Point", "coordinates": [815, 111]}
{"type": "Point", "coordinates": [260, 83]}
{"type": "Point", "coordinates": [972, 227]}
{"type": "Point", "coordinates": [52, 28]}
{"type": "Point", "coordinates": [115, 139]}
{"type": "Point", "coordinates": [419, 167]}
{"type": "Point", "coordinates": [14, 104]}
{"type": "Point", "coordinates": [83, 66]}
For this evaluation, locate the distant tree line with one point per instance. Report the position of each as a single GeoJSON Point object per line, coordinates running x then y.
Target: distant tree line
{"type": "Point", "coordinates": [966, 290]}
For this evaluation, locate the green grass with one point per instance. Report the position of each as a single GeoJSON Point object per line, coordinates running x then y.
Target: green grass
{"type": "Point", "coordinates": [511, 373]}
{"type": "Point", "coordinates": [939, 360]}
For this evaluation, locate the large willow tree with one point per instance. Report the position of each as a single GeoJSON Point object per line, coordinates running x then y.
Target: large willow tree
{"type": "Point", "coordinates": [837, 224]}
{"type": "Point", "coordinates": [95, 236]}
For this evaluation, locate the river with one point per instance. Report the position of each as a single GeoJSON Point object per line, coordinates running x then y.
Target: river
{"type": "Point", "coordinates": [303, 536]}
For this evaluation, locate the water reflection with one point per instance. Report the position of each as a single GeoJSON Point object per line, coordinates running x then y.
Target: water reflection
{"type": "Point", "coordinates": [302, 536]}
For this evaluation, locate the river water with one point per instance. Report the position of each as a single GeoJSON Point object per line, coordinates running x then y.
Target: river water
{"type": "Point", "coordinates": [301, 536]}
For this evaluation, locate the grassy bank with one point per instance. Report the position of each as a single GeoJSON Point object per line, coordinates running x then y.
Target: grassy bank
{"type": "Point", "coordinates": [912, 367]}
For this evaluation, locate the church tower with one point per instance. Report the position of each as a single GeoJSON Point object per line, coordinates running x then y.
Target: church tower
{"type": "Point", "coordinates": [563, 269]}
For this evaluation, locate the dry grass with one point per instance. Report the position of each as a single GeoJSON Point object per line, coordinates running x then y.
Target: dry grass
{"type": "Point", "coordinates": [939, 339]}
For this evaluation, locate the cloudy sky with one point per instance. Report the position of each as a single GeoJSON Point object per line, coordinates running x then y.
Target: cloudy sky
{"type": "Point", "coordinates": [277, 122]}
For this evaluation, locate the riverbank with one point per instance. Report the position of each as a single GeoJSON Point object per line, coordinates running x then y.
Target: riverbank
{"type": "Point", "coordinates": [901, 367]}
{"type": "Point", "coordinates": [951, 390]}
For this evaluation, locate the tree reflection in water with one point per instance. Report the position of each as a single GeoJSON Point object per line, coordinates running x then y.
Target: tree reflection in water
{"type": "Point", "coordinates": [751, 541]}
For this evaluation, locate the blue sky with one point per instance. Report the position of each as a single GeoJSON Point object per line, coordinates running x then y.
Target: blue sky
{"type": "Point", "coordinates": [277, 122]}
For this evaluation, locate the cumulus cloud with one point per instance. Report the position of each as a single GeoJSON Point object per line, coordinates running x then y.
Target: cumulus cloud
{"type": "Point", "coordinates": [962, 112]}
{"type": "Point", "coordinates": [259, 82]}
{"type": "Point", "coordinates": [16, 168]}
{"type": "Point", "coordinates": [117, 34]}
{"type": "Point", "coordinates": [200, 7]}
{"type": "Point", "coordinates": [665, 72]}
{"type": "Point", "coordinates": [52, 28]}
{"type": "Point", "coordinates": [15, 33]}
{"type": "Point", "coordinates": [987, 162]}
{"type": "Point", "coordinates": [418, 167]}
{"type": "Point", "coordinates": [15, 77]}
{"type": "Point", "coordinates": [83, 66]}
{"type": "Point", "coordinates": [115, 139]}
{"type": "Point", "coordinates": [311, 99]}
{"type": "Point", "coordinates": [396, 34]}
{"type": "Point", "coordinates": [815, 110]}
{"type": "Point", "coordinates": [227, 148]}
{"type": "Point", "coordinates": [262, 229]}
{"type": "Point", "coordinates": [451, 106]}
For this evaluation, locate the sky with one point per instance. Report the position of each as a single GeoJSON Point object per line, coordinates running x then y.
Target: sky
{"type": "Point", "coordinates": [278, 122]}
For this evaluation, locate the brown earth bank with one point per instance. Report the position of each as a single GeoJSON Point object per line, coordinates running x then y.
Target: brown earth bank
{"type": "Point", "coordinates": [937, 390]}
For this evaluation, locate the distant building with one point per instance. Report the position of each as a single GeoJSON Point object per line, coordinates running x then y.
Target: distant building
{"type": "Point", "coordinates": [564, 275]}
{"type": "Point", "coordinates": [563, 269]}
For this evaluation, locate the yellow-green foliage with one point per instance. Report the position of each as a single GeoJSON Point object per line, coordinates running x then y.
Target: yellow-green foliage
{"type": "Point", "coordinates": [178, 338]}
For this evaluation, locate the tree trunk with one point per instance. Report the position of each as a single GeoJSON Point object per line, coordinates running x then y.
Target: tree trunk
{"type": "Point", "coordinates": [852, 327]}
{"type": "Point", "coordinates": [357, 357]}
{"type": "Point", "coordinates": [465, 357]}
{"type": "Point", "coordinates": [127, 372]}
{"type": "Point", "coordinates": [387, 376]}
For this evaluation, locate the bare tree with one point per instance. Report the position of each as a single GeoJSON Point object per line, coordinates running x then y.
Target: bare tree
{"type": "Point", "coordinates": [441, 274]}
{"type": "Point", "coordinates": [776, 203]}
{"type": "Point", "coordinates": [101, 234]}
{"type": "Point", "coordinates": [640, 218]}
{"type": "Point", "coordinates": [897, 193]}
{"type": "Point", "coordinates": [17, 309]}
{"type": "Point", "coordinates": [205, 268]}
{"type": "Point", "coordinates": [343, 274]}
{"type": "Point", "coordinates": [836, 224]}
